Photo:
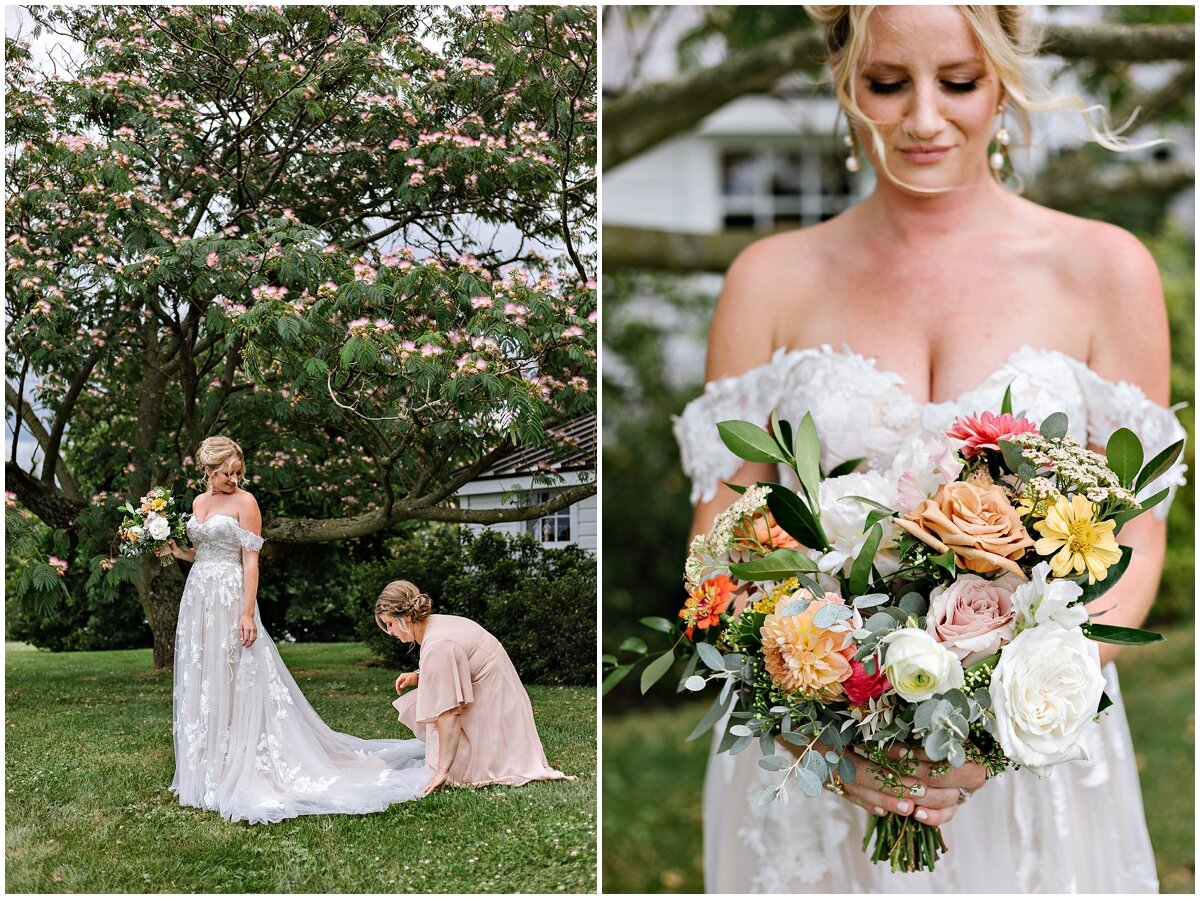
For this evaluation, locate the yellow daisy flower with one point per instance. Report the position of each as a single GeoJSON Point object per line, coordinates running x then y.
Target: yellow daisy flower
{"type": "Point", "coordinates": [1077, 542]}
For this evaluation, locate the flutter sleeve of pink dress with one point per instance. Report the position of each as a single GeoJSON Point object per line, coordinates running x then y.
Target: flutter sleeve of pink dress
{"type": "Point", "coordinates": [465, 667]}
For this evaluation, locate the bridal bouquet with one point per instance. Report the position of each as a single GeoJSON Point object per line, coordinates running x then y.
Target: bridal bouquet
{"type": "Point", "coordinates": [943, 604]}
{"type": "Point", "coordinates": [147, 528]}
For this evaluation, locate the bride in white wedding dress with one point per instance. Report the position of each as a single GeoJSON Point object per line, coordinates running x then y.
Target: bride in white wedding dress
{"type": "Point", "coordinates": [924, 302]}
{"type": "Point", "coordinates": [247, 742]}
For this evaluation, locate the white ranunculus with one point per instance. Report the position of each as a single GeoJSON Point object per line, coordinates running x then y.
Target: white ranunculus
{"type": "Point", "coordinates": [137, 532]}
{"type": "Point", "coordinates": [843, 519]}
{"type": "Point", "coordinates": [918, 666]}
{"type": "Point", "coordinates": [1040, 599]}
{"type": "Point", "coordinates": [1045, 689]}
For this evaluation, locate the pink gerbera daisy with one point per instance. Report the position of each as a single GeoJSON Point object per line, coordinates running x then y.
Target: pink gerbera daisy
{"type": "Point", "coordinates": [985, 431]}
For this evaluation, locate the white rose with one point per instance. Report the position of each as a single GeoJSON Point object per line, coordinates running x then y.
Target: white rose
{"type": "Point", "coordinates": [918, 666]}
{"type": "Point", "coordinates": [1040, 599]}
{"type": "Point", "coordinates": [158, 527]}
{"type": "Point", "coordinates": [1045, 689]}
{"type": "Point", "coordinates": [137, 532]}
{"type": "Point", "coordinates": [843, 519]}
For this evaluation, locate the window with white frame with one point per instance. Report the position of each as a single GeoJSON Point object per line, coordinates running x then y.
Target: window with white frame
{"type": "Point", "coordinates": [764, 189]}
{"type": "Point", "coordinates": [552, 528]}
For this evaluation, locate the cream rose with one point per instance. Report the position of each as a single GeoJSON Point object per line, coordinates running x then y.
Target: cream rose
{"type": "Point", "coordinates": [1045, 690]}
{"type": "Point", "coordinates": [843, 518]}
{"type": "Point", "coordinates": [917, 666]}
{"type": "Point", "coordinates": [976, 522]}
{"type": "Point", "coordinates": [973, 617]}
{"type": "Point", "coordinates": [158, 527]}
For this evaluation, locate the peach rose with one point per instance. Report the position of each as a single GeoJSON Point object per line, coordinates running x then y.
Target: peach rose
{"type": "Point", "coordinates": [978, 524]}
{"type": "Point", "coordinates": [762, 530]}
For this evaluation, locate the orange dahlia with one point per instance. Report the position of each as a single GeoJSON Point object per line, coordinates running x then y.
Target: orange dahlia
{"type": "Point", "coordinates": [803, 658]}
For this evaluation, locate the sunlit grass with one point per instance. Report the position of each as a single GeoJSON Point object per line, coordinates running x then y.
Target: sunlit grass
{"type": "Point", "coordinates": [88, 761]}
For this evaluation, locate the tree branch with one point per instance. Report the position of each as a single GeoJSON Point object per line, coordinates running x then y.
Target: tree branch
{"type": "Point", "coordinates": [26, 414]}
{"type": "Point", "coordinates": [640, 119]}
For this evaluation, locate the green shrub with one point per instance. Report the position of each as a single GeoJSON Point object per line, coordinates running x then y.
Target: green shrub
{"type": "Point", "coordinates": [539, 603]}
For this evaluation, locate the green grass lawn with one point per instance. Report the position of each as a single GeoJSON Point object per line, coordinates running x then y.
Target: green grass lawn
{"type": "Point", "coordinates": [88, 763]}
{"type": "Point", "coordinates": [652, 778]}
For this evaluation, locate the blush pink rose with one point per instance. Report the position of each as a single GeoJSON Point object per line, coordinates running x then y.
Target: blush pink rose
{"type": "Point", "coordinates": [985, 431]}
{"type": "Point", "coordinates": [861, 687]}
{"type": "Point", "coordinates": [973, 617]}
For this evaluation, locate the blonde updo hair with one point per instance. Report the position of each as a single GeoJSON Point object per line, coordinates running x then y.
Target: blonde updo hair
{"type": "Point", "coordinates": [1008, 39]}
{"type": "Point", "coordinates": [401, 598]}
{"type": "Point", "coordinates": [216, 451]}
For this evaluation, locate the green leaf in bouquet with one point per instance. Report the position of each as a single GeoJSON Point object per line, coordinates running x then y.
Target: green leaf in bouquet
{"type": "Point", "coordinates": [1124, 455]}
{"type": "Point", "coordinates": [808, 458]}
{"type": "Point", "coordinates": [711, 656]}
{"type": "Point", "coordinates": [689, 669]}
{"type": "Point", "coordinates": [695, 683]}
{"type": "Point", "coordinates": [782, 432]}
{"type": "Point", "coordinates": [771, 793]}
{"type": "Point", "coordinates": [1114, 573]}
{"type": "Point", "coordinates": [633, 644]}
{"type": "Point", "coordinates": [914, 604]}
{"type": "Point", "coordinates": [1013, 459]}
{"type": "Point", "coordinates": [658, 624]}
{"type": "Point", "coordinates": [711, 717]}
{"type": "Point", "coordinates": [870, 600]}
{"type": "Point", "coordinates": [777, 565]}
{"type": "Point", "coordinates": [749, 442]}
{"type": "Point", "coordinates": [656, 669]}
{"type": "Point", "coordinates": [608, 659]}
{"type": "Point", "coordinates": [1006, 403]}
{"type": "Point", "coordinates": [740, 744]}
{"type": "Point", "coordinates": [1120, 636]}
{"type": "Point", "coordinates": [793, 515]}
{"type": "Point", "coordinates": [844, 468]}
{"type": "Point", "coordinates": [1105, 702]}
{"type": "Point", "coordinates": [1055, 426]}
{"type": "Point", "coordinates": [860, 571]}
{"type": "Point", "coordinates": [946, 561]}
{"type": "Point", "coordinates": [955, 754]}
{"type": "Point", "coordinates": [876, 515]}
{"type": "Point", "coordinates": [1158, 465]}
{"type": "Point", "coordinates": [808, 782]}
{"type": "Point", "coordinates": [1121, 518]}
{"type": "Point", "coordinates": [739, 489]}
{"type": "Point", "coordinates": [816, 589]}
{"type": "Point", "coordinates": [846, 770]}
{"type": "Point", "coordinates": [828, 616]}
{"type": "Point", "coordinates": [774, 763]}
{"type": "Point", "coordinates": [795, 607]}
{"type": "Point", "coordinates": [867, 501]}
{"type": "Point", "coordinates": [614, 677]}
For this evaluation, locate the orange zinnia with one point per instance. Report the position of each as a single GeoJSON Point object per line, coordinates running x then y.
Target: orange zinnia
{"type": "Point", "coordinates": [706, 603]}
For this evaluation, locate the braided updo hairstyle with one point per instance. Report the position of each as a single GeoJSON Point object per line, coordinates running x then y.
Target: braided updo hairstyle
{"type": "Point", "coordinates": [401, 598]}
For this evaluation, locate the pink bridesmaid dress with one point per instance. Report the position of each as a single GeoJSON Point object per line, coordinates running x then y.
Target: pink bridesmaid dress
{"type": "Point", "coordinates": [463, 666]}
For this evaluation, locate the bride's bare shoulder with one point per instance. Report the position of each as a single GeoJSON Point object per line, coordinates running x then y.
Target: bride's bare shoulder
{"type": "Point", "coordinates": [775, 277]}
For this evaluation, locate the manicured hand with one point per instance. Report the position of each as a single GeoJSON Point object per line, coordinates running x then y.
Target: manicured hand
{"type": "Point", "coordinates": [171, 549]}
{"type": "Point", "coordinates": [247, 631]}
{"type": "Point", "coordinates": [408, 679]}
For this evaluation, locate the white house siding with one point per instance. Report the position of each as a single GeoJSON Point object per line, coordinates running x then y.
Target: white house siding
{"type": "Point", "coordinates": [497, 493]}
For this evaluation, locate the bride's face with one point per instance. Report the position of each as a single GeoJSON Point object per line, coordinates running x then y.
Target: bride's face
{"type": "Point", "coordinates": [225, 478]}
{"type": "Point", "coordinates": [932, 93]}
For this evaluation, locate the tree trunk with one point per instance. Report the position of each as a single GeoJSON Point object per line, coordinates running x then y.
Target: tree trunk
{"type": "Point", "coordinates": [160, 590]}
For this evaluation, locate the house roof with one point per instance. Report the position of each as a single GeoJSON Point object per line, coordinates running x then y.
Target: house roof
{"type": "Point", "coordinates": [579, 453]}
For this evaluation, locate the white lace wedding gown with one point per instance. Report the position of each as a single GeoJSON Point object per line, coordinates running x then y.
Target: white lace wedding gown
{"type": "Point", "coordinates": [1080, 830]}
{"type": "Point", "coordinates": [247, 743]}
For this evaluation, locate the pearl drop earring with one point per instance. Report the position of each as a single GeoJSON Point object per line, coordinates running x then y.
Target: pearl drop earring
{"type": "Point", "coordinates": [999, 159]}
{"type": "Point", "coordinates": [852, 163]}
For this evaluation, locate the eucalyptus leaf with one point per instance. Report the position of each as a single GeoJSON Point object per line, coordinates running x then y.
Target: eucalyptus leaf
{"type": "Point", "coordinates": [829, 615]}
{"type": "Point", "coordinates": [740, 744]}
{"type": "Point", "coordinates": [869, 600]}
{"type": "Point", "coordinates": [809, 783]}
{"type": "Point", "coordinates": [695, 683]}
{"type": "Point", "coordinates": [740, 730]}
{"type": "Point", "coordinates": [914, 604]}
{"type": "Point", "coordinates": [711, 656]}
{"type": "Point", "coordinates": [1054, 427]}
{"type": "Point", "coordinates": [1013, 459]}
{"type": "Point", "coordinates": [711, 717]}
{"type": "Point", "coordinates": [795, 607]}
{"type": "Point", "coordinates": [770, 794]}
{"type": "Point", "coordinates": [774, 763]}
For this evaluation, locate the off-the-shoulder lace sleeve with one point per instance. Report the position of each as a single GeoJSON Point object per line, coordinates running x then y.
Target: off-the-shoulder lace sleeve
{"type": "Point", "coordinates": [445, 680]}
{"type": "Point", "coordinates": [1124, 405]}
{"type": "Point", "coordinates": [251, 542]}
{"type": "Point", "coordinates": [749, 396]}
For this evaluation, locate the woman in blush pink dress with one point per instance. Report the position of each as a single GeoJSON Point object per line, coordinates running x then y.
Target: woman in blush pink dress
{"type": "Point", "coordinates": [470, 707]}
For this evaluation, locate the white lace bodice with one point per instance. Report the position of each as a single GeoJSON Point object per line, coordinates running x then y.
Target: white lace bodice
{"type": "Point", "coordinates": [219, 540]}
{"type": "Point", "coordinates": [862, 411]}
